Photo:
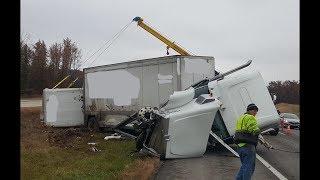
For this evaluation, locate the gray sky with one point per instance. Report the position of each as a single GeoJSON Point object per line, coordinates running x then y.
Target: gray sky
{"type": "Point", "coordinates": [230, 30]}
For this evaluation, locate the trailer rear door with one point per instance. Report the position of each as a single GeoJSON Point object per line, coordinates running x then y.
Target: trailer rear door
{"type": "Point", "coordinates": [63, 107]}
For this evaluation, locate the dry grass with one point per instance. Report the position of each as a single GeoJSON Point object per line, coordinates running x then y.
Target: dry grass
{"type": "Point", "coordinates": [142, 169]}
{"type": "Point", "coordinates": [63, 153]}
{"type": "Point", "coordinates": [289, 108]}
{"type": "Point", "coordinates": [32, 130]}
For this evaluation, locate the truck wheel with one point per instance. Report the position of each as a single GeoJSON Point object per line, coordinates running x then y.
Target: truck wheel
{"type": "Point", "coordinates": [93, 124]}
{"type": "Point", "coordinates": [274, 132]}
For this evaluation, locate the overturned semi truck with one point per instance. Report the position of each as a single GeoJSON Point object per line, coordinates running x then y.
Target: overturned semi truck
{"type": "Point", "coordinates": [180, 128]}
{"type": "Point", "coordinates": [169, 105]}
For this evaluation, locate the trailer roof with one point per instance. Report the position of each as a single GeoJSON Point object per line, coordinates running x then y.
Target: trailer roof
{"type": "Point", "coordinates": [148, 61]}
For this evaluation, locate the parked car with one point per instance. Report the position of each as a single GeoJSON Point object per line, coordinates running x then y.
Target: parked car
{"type": "Point", "coordinates": [290, 119]}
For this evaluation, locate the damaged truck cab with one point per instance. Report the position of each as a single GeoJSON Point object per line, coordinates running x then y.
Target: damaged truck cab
{"type": "Point", "coordinates": [181, 128]}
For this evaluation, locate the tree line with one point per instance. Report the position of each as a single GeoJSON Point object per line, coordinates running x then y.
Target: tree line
{"type": "Point", "coordinates": [43, 67]}
{"type": "Point", "coordinates": [286, 91]}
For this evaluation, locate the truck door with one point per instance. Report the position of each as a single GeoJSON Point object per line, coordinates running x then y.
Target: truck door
{"type": "Point", "coordinates": [189, 128]}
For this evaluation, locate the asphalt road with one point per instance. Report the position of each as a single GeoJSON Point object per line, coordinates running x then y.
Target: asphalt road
{"type": "Point", "coordinates": [220, 164]}
{"type": "Point", "coordinates": [287, 163]}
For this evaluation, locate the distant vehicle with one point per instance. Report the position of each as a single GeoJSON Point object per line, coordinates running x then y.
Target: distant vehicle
{"type": "Point", "coordinates": [290, 119]}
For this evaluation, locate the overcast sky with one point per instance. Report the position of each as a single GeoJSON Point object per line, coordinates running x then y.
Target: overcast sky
{"type": "Point", "coordinates": [232, 31]}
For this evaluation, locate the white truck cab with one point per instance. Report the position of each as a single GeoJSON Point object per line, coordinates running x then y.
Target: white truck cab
{"type": "Point", "coordinates": [190, 116]}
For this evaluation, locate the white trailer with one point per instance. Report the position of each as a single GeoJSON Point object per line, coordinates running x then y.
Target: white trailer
{"type": "Point", "coordinates": [114, 92]}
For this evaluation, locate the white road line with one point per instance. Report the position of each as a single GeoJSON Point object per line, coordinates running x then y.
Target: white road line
{"type": "Point", "coordinates": [282, 133]}
{"type": "Point", "coordinates": [272, 169]}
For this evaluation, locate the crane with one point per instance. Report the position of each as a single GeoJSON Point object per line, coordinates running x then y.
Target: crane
{"type": "Point", "coordinates": [169, 43]}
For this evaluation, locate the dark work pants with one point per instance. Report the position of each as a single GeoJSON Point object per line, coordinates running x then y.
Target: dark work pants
{"type": "Point", "coordinates": [247, 155]}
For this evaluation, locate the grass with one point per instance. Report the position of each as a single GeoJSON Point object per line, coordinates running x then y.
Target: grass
{"type": "Point", "coordinates": [79, 162]}
{"type": "Point", "coordinates": [53, 153]}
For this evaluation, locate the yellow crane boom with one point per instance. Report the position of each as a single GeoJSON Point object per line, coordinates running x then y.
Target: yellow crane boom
{"type": "Point", "coordinates": [156, 34]}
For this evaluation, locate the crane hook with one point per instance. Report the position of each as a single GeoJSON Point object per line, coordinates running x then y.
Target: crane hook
{"type": "Point", "coordinates": [168, 50]}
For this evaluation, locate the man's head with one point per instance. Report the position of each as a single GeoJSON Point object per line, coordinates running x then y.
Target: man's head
{"type": "Point", "coordinates": [252, 109]}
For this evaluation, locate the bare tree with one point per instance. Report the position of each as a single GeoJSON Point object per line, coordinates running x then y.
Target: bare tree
{"type": "Point", "coordinates": [70, 56]}
{"type": "Point", "coordinates": [38, 74]}
{"type": "Point", "coordinates": [25, 60]}
{"type": "Point", "coordinates": [75, 56]}
{"type": "Point", "coordinates": [55, 55]}
{"type": "Point", "coordinates": [42, 68]}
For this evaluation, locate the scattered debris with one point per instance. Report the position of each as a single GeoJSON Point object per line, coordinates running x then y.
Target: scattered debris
{"type": "Point", "coordinates": [92, 143]}
{"type": "Point", "coordinates": [94, 149]}
{"type": "Point", "coordinates": [113, 136]}
{"type": "Point", "coordinates": [65, 137]}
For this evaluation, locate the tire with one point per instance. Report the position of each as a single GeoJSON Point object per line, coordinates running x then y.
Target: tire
{"type": "Point", "coordinates": [274, 132]}
{"type": "Point", "coordinates": [93, 124]}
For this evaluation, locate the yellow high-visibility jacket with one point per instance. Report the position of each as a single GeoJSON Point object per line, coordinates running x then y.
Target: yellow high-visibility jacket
{"type": "Point", "coordinates": [247, 123]}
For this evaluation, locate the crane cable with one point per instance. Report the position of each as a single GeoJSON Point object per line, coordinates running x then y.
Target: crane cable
{"type": "Point", "coordinates": [90, 57]}
{"type": "Point", "coordinates": [112, 40]}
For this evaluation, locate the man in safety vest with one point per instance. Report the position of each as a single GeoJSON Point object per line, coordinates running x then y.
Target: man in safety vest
{"type": "Point", "coordinates": [246, 137]}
